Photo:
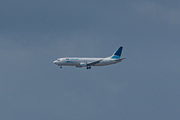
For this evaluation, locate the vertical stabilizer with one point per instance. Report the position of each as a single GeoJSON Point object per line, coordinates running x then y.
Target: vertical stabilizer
{"type": "Point", "coordinates": [117, 53]}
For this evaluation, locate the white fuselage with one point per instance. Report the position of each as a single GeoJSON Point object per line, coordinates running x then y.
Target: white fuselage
{"type": "Point", "coordinates": [82, 62]}
{"type": "Point", "coordinates": [88, 62]}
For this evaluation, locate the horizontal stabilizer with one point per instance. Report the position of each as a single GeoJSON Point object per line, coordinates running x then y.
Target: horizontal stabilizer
{"type": "Point", "coordinates": [120, 59]}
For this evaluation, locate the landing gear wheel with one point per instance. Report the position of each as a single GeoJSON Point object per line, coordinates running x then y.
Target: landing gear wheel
{"type": "Point", "coordinates": [88, 67]}
{"type": "Point", "coordinates": [60, 66]}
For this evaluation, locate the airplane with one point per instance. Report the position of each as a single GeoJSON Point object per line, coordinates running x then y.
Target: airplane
{"type": "Point", "coordinates": [88, 62]}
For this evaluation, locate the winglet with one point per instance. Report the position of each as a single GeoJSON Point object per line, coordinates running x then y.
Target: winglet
{"type": "Point", "coordinates": [117, 53]}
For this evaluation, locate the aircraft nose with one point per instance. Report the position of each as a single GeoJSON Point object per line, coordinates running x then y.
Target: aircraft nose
{"type": "Point", "coordinates": [54, 62]}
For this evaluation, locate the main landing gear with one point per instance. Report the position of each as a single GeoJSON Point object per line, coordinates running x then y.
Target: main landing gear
{"type": "Point", "coordinates": [88, 67]}
{"type": "Point", "coordinates": [60, 66]}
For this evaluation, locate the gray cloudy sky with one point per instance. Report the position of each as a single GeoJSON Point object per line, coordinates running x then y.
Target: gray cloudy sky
{"type": "Point", "coordinates": [145, 86]}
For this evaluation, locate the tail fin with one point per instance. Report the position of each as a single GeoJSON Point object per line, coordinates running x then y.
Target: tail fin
{"type": "Point", "coordinates": [117, 53]}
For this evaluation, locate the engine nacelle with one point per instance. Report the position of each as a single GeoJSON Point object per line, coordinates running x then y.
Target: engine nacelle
{"type": "Point", "coordinates": [83, 64]}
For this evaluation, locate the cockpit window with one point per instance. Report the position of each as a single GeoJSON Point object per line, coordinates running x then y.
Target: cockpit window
{"type": "Point", "coordinates": [58, 60]}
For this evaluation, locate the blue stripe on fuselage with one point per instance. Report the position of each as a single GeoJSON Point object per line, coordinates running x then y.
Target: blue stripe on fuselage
{"type": "Point", "coordinates": [69, 62]}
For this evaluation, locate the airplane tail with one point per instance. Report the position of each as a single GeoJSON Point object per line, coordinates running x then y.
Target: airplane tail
{"type": "Point", "coordinates": [117, 53]}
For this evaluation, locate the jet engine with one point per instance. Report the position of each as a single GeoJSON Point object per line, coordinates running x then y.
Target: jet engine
{"type": "Point", "coordinates": [83, 64]}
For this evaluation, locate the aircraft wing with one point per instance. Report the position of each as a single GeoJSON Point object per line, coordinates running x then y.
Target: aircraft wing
{"type": "Point", "coordinates": [94, 62]}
